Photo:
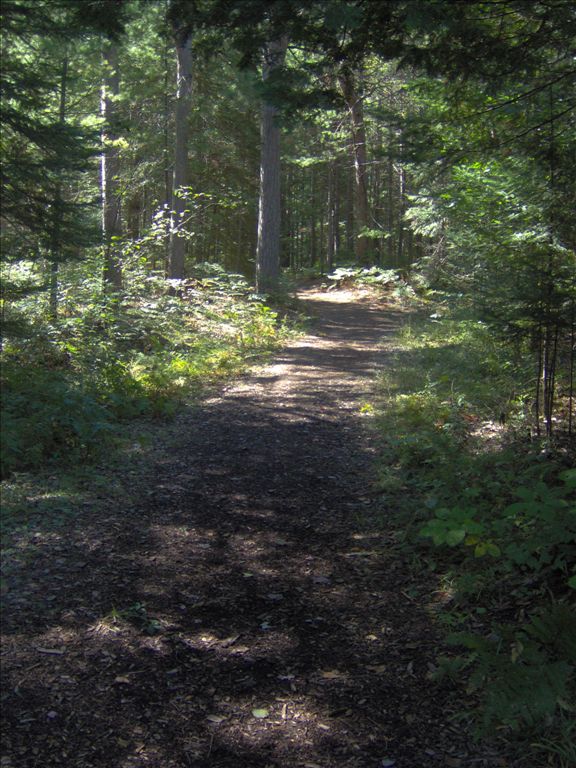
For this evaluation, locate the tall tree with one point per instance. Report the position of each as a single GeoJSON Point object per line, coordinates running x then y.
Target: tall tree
{"type": "Point", "coordinates": [183, 40]}
{"type": "Point", "coordinates": [57, 215]}
{"type": "Point", "coordinates": [110, 169]}
{"type": "Point", "coordinates": [352, 92]}
{"type": "Point", "coordinates": [269, 212]}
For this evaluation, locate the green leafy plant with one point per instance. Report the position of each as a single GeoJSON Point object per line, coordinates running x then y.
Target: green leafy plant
{"type": "Point", "coordinates": [46, 417]}
{"type": "Point", "coordinates": [537, 532]}
{"type": "Point", "coordinates": [525, 677]}
{"type": "Point", "coordinates": [137, 615]}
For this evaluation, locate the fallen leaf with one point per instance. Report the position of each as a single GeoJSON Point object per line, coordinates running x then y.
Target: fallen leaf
{"type": "Point", "coordinates": [122, 680]}
{"type": "Point", "coordinates": [333, 674]}
{"type": "Point", "coordinates": [228, 641]}
{"type": "Point", "coordinates": [52, 651]}
{"type": "Point", "coordinates": [379, 669]}
{"type": "Point", "coordinates": [260, 713]}
{"type": "Point", "coordinates": [361, 553]}
{"type": "Point", "coordinates": [216, 718]}
{"type": "Point", "coordinates": [239, 649]}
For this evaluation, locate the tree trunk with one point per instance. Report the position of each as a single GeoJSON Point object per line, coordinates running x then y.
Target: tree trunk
{"type": "Point", "coordinates": [402, 208]}
{"type": "Point", "coordinates": [167, 160]}
{"type": "Point", "coordinates": [353, 101]}
{"type": "Point", "coordinates": [56, 234]}
{"type": "Point", "coordinates": [332, 216]}
{"type": "Point", "coordinates": [390, 203]}
{"type": "Point", "coordinates": [110, 170]}
{"type": "Point", "coordinates": [183, 40]}
{"type": "Point", "coordinates": [269, 212]}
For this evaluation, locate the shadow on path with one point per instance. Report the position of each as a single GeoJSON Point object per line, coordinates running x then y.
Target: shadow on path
{"type": "Point", "coordinates": [238, 614]}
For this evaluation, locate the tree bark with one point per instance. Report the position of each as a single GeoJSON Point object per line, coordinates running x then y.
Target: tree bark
{"type": "Point", "coordinates": [332, 216]}
{"type": "Point", "coordinates": [110, 171]}
{"type": "Point", "coordinates": [269, 211]}
{"type": "Point", "coordinates": [183, 40]}
{"type": "Point", "coordinates": [353, 99]}
{"type": "Point", "coordinates": [56, 234]}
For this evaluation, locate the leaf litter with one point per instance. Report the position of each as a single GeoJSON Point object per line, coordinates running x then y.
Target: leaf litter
{"type": "Point", "coordinates": [149, 691]}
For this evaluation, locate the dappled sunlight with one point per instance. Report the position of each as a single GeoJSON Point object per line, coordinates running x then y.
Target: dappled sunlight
{"type": "Point", "coordinates": [238, 612]}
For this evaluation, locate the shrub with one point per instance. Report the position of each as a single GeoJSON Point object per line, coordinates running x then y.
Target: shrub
{"type": "Point", "coordinates": [46, 417]}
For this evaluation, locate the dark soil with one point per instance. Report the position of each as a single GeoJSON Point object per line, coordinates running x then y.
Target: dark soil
{"type": "Point", "coordinates": [239, 610]}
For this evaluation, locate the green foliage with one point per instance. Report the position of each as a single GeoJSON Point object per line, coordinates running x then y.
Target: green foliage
{"type": "Point", "coordinates": [366, 276]}
{"type": "Point", "coordinates": [535, 533]}
{"type": "Point", "coordinates": [66, 386]}
{"type": "Point", "coordinates": [526, 676]}
{"type": "Point", "coordinates": [561, 747]}
{"type": "Point", "coordinates": [491, 513]}
{"type": "Point", "coordinates": [389, 280]}
{"type": "Point", "coordinates": [47, 417]}
{"type": "Point", "coordinates": [136, 615]}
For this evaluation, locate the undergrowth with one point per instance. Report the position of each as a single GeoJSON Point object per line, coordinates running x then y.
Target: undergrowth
{"type": "Point", "coordinates": [68, 385]}
{"type": "Point", "coordinates": [489, 510]}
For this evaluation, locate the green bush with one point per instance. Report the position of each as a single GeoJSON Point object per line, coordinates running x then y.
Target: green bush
{"type": "Point", "coordinates": [107, 360]}
{"type": "Point", "coordinates": [525, 676]}
{"type": "Point", "coordinates": [45, 418]}
{"type": "Point", "coordinates": [491, 512]}
{"type": "Point", "coordinates": [538, 532]}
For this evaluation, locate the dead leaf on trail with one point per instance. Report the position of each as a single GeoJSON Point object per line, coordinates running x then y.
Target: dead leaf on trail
{"type": "Point", "coordinates": [228, 641]}
{"type": "Point", "coordinates": [333, 674]}
{"type": "Point", "coordinates": [122, 680]}
{"type": "Point", "coordinates": [237, 649]}
{"type": "Point", "coordinates": [379, 669]}
{"type": "Point", "coordinates": [260, 713]}
{"type": "Point", "coordinates": [216, 719]}
{"type": "Point", "coordinates": [52, 651]}
{"type": "Point", "coordinates": [361, 553]}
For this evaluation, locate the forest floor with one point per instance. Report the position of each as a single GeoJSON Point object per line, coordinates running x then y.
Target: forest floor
{"type": "Point", "coordinates": [235, 607]}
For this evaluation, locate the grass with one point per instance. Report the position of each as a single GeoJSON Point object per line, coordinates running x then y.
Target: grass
{"type": "Point", "coordinates": [489, 511]}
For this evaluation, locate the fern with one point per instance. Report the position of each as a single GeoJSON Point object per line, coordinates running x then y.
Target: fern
{"type": "Point", "coordinates": [524, 678]}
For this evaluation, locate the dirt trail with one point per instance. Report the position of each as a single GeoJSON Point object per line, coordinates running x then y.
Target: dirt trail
{"type": "Point", "coordinates": [239, 613]}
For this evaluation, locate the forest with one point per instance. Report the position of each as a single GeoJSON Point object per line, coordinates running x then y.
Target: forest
{"type": "Point", "coordinates": [196, 193]}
